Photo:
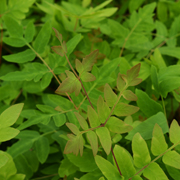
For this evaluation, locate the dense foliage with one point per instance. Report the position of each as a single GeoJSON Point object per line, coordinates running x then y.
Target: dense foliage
{"type": "Point", "coordinates": [90, 90]}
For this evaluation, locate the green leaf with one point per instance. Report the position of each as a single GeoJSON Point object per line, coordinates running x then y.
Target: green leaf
{"type": "Point", "coordinates": [120, 82]}
{"type": "Point", "coordinates": [87, 77]}
{"type": "Point", "coordinates": [73, 128]}
{"type": "Point", "coordinates": [170, 51]}
{"type": "Point", "coordinates": [123, 109]}
{"type": "Point", "coordinates": [158, 59]}
{"type": "Point", "coordinates": [66, 168]}
{"type": "Point", "coordinates": [134, 5]}
{"type": "Point", "coordinates": [146, 128]}
{"type": "Point", "coordinates": [14, 41]}
{"type": "Point", "coordinates": [13, 27]}
{"type": "Point", "coordinates": [108, 170]}
{"type": "Point", "coordinates": [103, 110]}
{"type": "Point", "coordinates": [9, 168]}
{"type": "Point", "coordinates": [8, 133]}
{"type": "Point", "coordinates": [23, 166]}
{"type": "Point", "coordinates": [124, 161]}
{"type": "Point", "coordinates": [72, 43]}
{"type": "Point", "coordinates": [174, 132]}
{"type": "Point", "coordinates": [154, 172]}
{"type": "Point", "coordinates": [172, 158]}
{"type": "Point", "coordinates": [173, 172]}
{"type": "Point", "coordinates": [109, 95]}
{"type": "Point", "coordinates": [3, 159]}
{"type": "Point", "coordinates": [118, 126]}
{"type": "Point", "coordinates": [86, 162]}
{"type": "Point", "coordinates": [93, 117]}
{"type": "Point", "coordinates": [21, 57]}
{"type": "Point", "coordinates": [148, 106]}
{"type": "Point", "coordinates": [17, 177]}
{"type": "Point", "coordinates": [154, 78]}
{"type": "Point", "coordinates": [10, 115]}
{"type": "Point", "coordinates": [105, 138]}
{"type": "Point", "coordinates": [158, 143]}
{"type": "Point", "coordinates": [168, 85]}
{"type": "Point", "coordinates": [3, 6]}
{"type": "Point", "coordinates": [129, 95]}
{"type": "Point", "coordinates": [59, 119]}
{"type": "Point", "coordinates": [70, 84]}
{"type": "Point", "coordinates": [42, 149]}
{"type": "Point", "coordinates": [25, 144]}
{"type": "Point", "coordinates": [82, 121]}
{"type": "Point", "coordinates": [92, 137]}
{"type": "Point", "coordinates": [140, 151]}
{"type": "Point", "coordinates": [162, 11]}
{"type": "Point", "coordinates": [29, 32]}
{"type": "Point", "coordinates": [42, 38]}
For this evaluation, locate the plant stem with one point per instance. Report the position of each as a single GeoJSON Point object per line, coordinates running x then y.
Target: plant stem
{"type": "Point", "coordinates": [50, 71]}
{"type": "Point", "coordinates": [126, 39]}
{"type": "Point", "coordinates": [77, 19]}
{"type": "Point", "coordinates": [115, 104]}
{"type": "Point", "coordinates": [78, 79]}
{"type": "Point", "coordinates": [116, 162]}
{"type": "Point", "coordinates": [164, 106]}
{"type": "Point", "coordinates": [17, 97]}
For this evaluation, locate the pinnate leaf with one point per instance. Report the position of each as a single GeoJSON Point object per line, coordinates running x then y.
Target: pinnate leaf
{"type": "Point", "coordinates": [92, 137]}
{"type": "Point", "coordinates": [158, 143]}
{"type": "Point", "coordinates": [42, 149]}
{"type": "Point", "coordinates": [132, 74]}
{"type": "Point", "coordinates": [74, 145]}
{"type": "Point", "coordinates": [43, 37]}
{"type": "Point", "coordinates": [105, 138]}
{"type": "Point", "coordinates": [109, 95]}
{"type": "Point", "coordinates": [103, 109]}
{"type": "Point", "coordinates": [87, 77]}
{"type": "Point", "coordinates": [58, 35]}
{"type": "Point", "coordinates": [10, 115]}
{"type": "Point", "coordinates": [140, 151]}
{"type": "Point", "coordinates": [93, 117]}
{"type": "Point", "coordinates": [108, 170]}
{"type": "Point", "coordinates": [172, 158]}
{"type": "Point", "coordinates": [118, 126]}
{"type": "Point", "coordinates": [89, 60]}
{"type": "Point", "coordinates": [124, 161]}
{"type": "Point", "coordinates": [82, 121]}
{"type": "Point", "coordinates": [73, 128]}
{"type": "Point", "coordinates": [129, 95]}
{"type": "Point", "coordinates": [123, 109]}
{"type": "Point", "coordinates": [154, 171]}
{"type": "Point", "coordinates": [70, 84]}
{"type": "Point", "coordinates": [120, 83]}
{"type": "Point", "coordinates": [174, 132]}
{"type": "Point", "coordinates": [58, 50]}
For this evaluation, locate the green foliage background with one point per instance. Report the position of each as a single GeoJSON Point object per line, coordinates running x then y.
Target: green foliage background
{"type": "Point", "coordinates": [89, 90]}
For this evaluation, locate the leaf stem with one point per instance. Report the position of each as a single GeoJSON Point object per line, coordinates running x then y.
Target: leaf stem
{"type": "Point", "coordinates": [126, 39]}
{"type": "Point", "coordinates": [78, 79]}
{"type": "Point", "coordinates": [115, 105]}
{"type": "Point", "coordinates": [164, 107]}
{"type": "Point", "coordinates": [50, 71]}
{"type": "Point", "coordinates": [77, 19]}
{"type": "Point", "coordinates": [116, 162]}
